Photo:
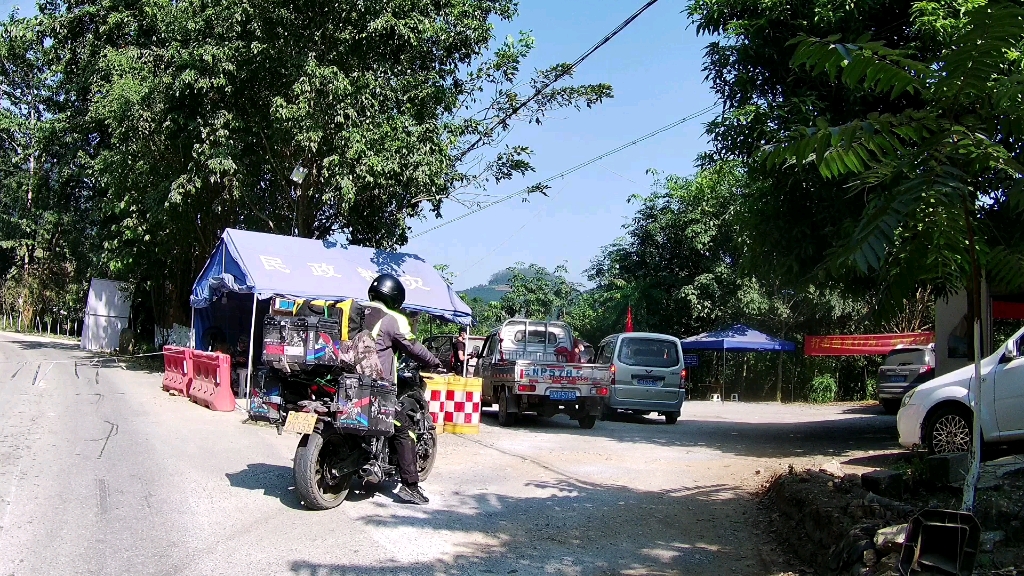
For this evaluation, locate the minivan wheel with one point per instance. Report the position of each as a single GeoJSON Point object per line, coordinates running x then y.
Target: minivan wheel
{"type": "Point", "coordinates": [949, 431]}
{"type": "Point", "coordinates": [671, 417]}
{"type": "Point", "coordinates": [890, 406]}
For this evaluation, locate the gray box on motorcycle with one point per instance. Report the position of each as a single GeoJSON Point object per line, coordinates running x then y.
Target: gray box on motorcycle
{"type": "Point", "coordinates": [365, 406]}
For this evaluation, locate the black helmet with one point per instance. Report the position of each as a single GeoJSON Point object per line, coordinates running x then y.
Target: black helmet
{"type": "Point", "coordinates": [388, 290]}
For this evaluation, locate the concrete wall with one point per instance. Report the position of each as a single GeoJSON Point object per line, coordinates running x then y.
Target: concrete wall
{"type": "Point", "coordinates": [948, 314]}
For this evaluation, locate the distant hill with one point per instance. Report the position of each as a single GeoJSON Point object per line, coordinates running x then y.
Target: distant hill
{"type": "Point", "coordinates": [492, 291]}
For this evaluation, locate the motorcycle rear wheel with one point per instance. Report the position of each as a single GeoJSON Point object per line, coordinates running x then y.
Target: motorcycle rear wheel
{"type": "Point", "coordinates": [316, 457]}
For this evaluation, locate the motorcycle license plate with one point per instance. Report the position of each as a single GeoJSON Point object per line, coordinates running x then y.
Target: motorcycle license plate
{"type": "Point", "coordinates": [300, 422]}
{"type": "Point", "coordinates": [562, 394]}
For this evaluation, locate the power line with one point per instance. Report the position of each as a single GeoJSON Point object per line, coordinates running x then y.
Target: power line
{"type": "Point", "coordinates": [575, 168]}
{"type": "Point", "coordinates": [512, 235]}
{"type": "Point", "coordinates": [569, 70]}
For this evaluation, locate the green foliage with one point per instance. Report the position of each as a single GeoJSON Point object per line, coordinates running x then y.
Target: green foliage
{"type": "Point", "coordinates": [131, 135]}
{"type": "Point", "coordinates": [942, 175]}
{"type": "Point", "coordinates": [822, 390]}
{"type": "Point", "coordinates": [871, 388]}
{"type": "Point", "coordinates": [537, 293]}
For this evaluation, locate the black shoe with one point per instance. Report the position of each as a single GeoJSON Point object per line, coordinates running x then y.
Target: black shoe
{"type": "Point", "coordinates": [412, 494]}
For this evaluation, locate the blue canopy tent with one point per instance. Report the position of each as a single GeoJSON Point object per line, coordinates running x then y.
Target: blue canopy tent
{"type": "Point", "coordinates": [267, 265]}
{"type": "Point", "coordinates": [738, 338]}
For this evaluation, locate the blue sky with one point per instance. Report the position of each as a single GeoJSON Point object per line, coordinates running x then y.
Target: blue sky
{"type": "Point", "coordinates": [654, 66]}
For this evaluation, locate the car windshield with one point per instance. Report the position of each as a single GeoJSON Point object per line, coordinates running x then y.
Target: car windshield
{"type": "Point", "coordinates": [909, 357]}
{"type": "Point", "coordinates": [652, 352]}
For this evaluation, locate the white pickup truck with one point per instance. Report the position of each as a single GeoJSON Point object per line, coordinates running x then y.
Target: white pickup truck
{"type": "Point", "coordinates": [937, 415]}
{"type": "Point", "coordinates": [525, 367]}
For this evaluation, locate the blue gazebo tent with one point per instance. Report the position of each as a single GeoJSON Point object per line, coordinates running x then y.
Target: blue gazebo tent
{"type": "Point", "coordinates": [738, 338]}
{"type": "Point", "coordinates": [246, 269]}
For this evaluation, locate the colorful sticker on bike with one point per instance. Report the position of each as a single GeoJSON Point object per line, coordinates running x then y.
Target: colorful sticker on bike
{"type": "Point", "coordinates": [352, 413]}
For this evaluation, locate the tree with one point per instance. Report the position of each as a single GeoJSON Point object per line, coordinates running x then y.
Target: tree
{"type": "Point", "coordinates": [164, 122]}
{"type": "Point", "coordinates": [940, 170]}
{"type": "Point", "coordinates": [794, 216]}
{"type": "Point", "coordinates": [676, 265]}
{"type": "Point", "coordinates": [537, 293]}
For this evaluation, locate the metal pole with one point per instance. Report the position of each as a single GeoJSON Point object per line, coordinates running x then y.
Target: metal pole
{"type": "Point", "coordinates": [252, 342]}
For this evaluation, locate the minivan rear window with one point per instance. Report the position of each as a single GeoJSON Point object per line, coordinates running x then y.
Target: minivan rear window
{"type": "Point", "coordinates": [909, 357]}
{"type": "Point", "coordinates": [652, 352]}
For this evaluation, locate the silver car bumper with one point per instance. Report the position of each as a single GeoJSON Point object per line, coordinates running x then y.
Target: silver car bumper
{"type": "Point", "coordinates": [648, 405]}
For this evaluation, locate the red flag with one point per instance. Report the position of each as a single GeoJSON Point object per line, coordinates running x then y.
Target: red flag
{"type": "Point", "coordinates": [629, 319]}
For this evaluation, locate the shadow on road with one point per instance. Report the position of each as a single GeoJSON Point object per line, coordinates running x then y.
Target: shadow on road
{"type": "Point", "coordinates": [570, 527]}
{"type": "Point", "coordinates": [835, 437]}
{"type": "Point", "coordinates": [36, 345]}
{"type": "Point", "coordinates": [275, 481]}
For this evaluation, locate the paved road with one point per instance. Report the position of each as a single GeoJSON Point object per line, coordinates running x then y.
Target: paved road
{"type": "Point", "coordinates": [102, 473]}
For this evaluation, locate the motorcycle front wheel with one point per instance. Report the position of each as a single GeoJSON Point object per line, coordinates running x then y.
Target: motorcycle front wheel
{"type": "Point", "coordinates": [426, 453]}
{"type": "Point", "coordinates": [317, 461]}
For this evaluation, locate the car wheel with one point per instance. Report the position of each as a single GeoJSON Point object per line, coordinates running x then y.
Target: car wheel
{"type": "Point", "coordinates": [587, 422]}
{"type": "Point", "coordinates": [890, 406]}
{"type": "Point", "coordinates": [505, 418]}
{"type": "Point", "coordinates": [607, 412]}
{"type": "Point", "coordinates": [949, 431]}
{"type": "Point", "coordinates": [671, 417]}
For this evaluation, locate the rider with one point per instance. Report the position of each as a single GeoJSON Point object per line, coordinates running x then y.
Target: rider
{"type": "Point", "coordinates": [392, 333]}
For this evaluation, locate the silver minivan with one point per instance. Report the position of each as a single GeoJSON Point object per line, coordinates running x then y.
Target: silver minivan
{"type": "Point", "coordinates": [647, 374]}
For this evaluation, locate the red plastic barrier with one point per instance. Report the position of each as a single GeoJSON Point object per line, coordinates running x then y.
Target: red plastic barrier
{"type": "Point", "coordinates": [177, 373]}
{"type": "Point", "coordinates": [211, 381]}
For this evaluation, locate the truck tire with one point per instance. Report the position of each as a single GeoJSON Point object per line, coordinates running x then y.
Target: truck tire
{"type": "Point", "coordinates": [949, 430]}
{"type": "Point", "coordinates": [671, 417]}
{"type": "Point", "coordinates": [587, 422]}
{"type": "Point", "coordinates": [505, 418]}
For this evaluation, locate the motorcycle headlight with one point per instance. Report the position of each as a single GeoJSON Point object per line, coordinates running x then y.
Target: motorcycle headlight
{"type": "Point", "coordinates": [906, 399]}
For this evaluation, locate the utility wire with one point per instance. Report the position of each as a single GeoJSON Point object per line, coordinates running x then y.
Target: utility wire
{"type": "Point", "coordinates": [575, 168]}
{"type": "Point", "coordinates": [512, 235]}
{"type": "Point", "coordinates": [568, 70]}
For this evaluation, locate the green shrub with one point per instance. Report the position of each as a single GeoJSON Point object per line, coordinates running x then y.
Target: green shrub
{"type": "Point", "coordinates": [871, 388]}
{"type": "Point", "coordinates": [823, 389]}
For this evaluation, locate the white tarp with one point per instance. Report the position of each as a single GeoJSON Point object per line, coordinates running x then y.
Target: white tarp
{"type": "Point", "coordinates": [106, 314]}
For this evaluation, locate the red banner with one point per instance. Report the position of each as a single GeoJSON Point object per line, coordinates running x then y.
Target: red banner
{"type": "Point", "coordinates": [862, 343]}
{"type": "Point", "coordinates": [1007, 310]}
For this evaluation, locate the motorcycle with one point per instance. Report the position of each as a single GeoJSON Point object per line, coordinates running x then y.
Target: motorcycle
{"type": "Point", "coordinates": [328, 458]}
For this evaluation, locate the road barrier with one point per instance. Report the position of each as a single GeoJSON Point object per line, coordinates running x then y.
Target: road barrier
{"type": "Point", "coordinates": [462, 405]}
{"type": "Point", "coordinates": [211, 381]}
{"type": "Point", "coordinates": [177, 373]}
{"type": "Point", "coordinates": [437, 388]}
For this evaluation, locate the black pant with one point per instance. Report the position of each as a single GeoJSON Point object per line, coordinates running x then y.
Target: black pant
{"type": "Point", "coordinates": [405, 447]}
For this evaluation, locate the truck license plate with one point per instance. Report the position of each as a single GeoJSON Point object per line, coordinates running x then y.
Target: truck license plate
{"type": "Point", "coordinates": [562, 394]}
{"type": "Point", "coordinates": [300, 422]}
{"type": "Point", "coordinates": [650, 382]}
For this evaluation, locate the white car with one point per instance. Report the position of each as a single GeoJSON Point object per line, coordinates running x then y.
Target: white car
{"type": "Point", "coordinates": [937, 415]}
